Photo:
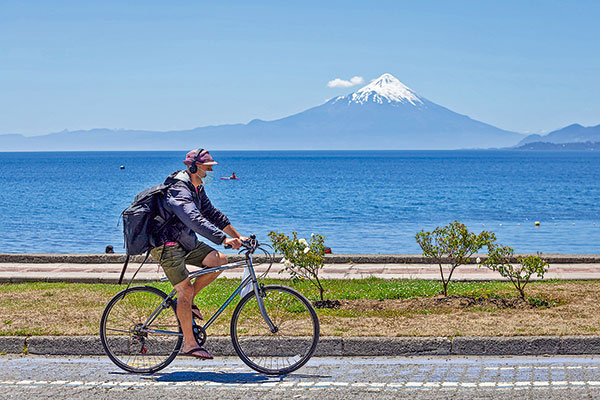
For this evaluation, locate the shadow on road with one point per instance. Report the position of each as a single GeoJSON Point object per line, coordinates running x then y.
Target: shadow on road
{"type": "Point", "coordinates": [227, 377]}
{"type": "Point", "coordinates": [221, 377]}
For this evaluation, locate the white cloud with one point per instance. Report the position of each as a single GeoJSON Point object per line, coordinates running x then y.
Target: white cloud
{"type": "Point", "coordinates": [340, 83]}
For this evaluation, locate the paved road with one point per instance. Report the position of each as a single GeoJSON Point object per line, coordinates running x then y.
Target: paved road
{"type": "Point", "coordinates": [25, 377]}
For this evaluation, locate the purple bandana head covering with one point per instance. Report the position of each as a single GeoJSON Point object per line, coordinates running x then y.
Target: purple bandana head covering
{"type": "Point", "coordinates": [202, 157]}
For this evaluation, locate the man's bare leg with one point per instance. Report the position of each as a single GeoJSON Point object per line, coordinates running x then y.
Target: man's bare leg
{"type": "Point", "coordinates": [214, 259]}
{"type": "Point", "coordinates": [185, 297]}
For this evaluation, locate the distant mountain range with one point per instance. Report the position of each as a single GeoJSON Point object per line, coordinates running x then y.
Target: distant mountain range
{"type": "Point", "coordinates": [385, 114]}
{"type": "Point", "coordinates": [570, 134]}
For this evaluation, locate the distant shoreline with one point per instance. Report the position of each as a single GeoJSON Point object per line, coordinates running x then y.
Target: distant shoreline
{"type": "Point", "coordinates": [575, 146]}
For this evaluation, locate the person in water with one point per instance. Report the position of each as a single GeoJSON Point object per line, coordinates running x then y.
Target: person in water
{"type": "Point", "coordinates": [233, 176]}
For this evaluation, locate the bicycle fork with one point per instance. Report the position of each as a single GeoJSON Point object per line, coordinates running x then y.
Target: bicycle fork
{"type": "Point", "coordinates": [259, 292]}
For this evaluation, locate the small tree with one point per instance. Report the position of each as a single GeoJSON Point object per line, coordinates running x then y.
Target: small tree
{"type": "Point", "coordinates": [301, 258]}
{"type": "Point", "coordinates": [452, 245]}
{"type": "Point", "coordinates": [499, 260]}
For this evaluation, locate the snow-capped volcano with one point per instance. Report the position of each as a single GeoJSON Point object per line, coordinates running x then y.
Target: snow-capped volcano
{"type": "Point", "coordinates": [385, 114]}
{"type": "Point", "coordinates": [385, 89]}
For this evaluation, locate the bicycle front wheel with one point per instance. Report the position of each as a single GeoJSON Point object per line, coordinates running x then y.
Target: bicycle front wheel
{"type": "Point", "coordinates": [296, 336]}
{"type": "Point", "coordinates": [132, 339]}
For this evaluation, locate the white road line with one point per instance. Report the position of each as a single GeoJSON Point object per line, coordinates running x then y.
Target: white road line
{"type": "Point", "coordinates": [311, 385]}
{"type": "Point", "coordinates": [395, 385]}
{"type": "Point", "coordinates": [450, 384]}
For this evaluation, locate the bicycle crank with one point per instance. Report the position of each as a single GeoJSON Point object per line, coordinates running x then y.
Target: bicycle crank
{"type": "Point", "coordinates": [199, 334]}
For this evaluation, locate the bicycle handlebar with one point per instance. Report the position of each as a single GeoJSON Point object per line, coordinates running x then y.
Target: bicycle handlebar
{"type": "Point", "coordinates": [250, 245]}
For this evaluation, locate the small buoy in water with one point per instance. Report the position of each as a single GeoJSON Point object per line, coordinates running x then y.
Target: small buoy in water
{"type": "Point", "coordinates": [122, 167]}
{"type": "Point", "coordinates": [537, 223]}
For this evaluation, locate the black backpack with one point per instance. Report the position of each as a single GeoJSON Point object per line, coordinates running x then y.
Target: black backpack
{"type": "Point", "coordinates": [142, 223]}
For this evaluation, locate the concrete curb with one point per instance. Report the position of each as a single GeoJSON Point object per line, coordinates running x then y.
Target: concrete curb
{"type": "Point", "coordinates": [329, 258]}
{"type": "Point", "coordinates": [339, 346]}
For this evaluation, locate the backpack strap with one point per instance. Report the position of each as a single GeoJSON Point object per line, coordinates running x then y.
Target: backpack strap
{"type": "Point", "coordinates": [138, 270]}
{"type": "Point", "coordinates": [124, 268]}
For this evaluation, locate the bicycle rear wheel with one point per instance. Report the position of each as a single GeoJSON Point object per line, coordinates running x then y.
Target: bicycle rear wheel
{"type": "Point", "coordinates": [295, 340]}
{"type": "Point", "coordinates": [130, 341]}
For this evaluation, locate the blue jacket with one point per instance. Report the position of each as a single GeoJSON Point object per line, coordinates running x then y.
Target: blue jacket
{"type": "Point", "coordinates": [194, 213]}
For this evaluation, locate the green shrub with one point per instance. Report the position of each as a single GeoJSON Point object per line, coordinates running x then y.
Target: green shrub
{"type": "Point", "coordinates": [452, 245]}
{"type": "Point", "coordinates": [499, 260]}
{"type": "Point", "coordinates": [301, 258]}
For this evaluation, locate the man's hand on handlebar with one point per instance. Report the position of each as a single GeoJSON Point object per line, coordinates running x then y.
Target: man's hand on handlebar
{"type": "Point", "coordinates": [234, 243]}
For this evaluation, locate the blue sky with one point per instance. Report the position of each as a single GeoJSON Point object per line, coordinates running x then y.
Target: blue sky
{"type": "Point", "coordinates": [527, 66]}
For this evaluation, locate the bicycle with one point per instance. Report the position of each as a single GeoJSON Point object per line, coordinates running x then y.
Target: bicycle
{"type": "Point", "coordinates": [274, 329]}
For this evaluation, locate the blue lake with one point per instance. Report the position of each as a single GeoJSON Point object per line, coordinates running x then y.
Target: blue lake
{"type": "Point", "coordinates": [361, 201]}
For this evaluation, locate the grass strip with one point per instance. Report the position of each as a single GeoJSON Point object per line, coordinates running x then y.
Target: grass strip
{"type": "Point", "coordinates": [370, 307]}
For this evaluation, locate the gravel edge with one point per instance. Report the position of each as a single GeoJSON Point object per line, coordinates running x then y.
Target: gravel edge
{"type": "Point", "coordinates": [342, 346]}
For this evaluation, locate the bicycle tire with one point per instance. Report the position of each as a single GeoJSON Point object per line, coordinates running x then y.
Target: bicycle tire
{"type": "Point", "coordinates": [291, 346]}
{"type": "Point", "coordinates": [139, 351]}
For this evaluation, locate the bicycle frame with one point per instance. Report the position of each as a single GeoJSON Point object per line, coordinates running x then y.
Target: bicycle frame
{"type": "Point", "coordinates": [252, 278]}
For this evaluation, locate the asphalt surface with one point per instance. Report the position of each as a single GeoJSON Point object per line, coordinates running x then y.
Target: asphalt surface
{"type": "Point", "coordinates": [28, 377]}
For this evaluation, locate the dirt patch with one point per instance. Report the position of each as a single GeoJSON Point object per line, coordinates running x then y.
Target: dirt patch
{"type": "Point", "coordinates": [327, 304]}
{"type": "Point", "coordinates": [438, 303]}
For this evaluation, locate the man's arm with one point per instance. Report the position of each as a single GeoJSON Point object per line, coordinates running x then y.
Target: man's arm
{"type": "Point", "coordinates": [220, 220]}
{"type": "Point", "coordinates": [232, 232]}
{"type": "Point", "coordinates": [182, 204]}
{"type": "Point", "coordinates": [210, 212]}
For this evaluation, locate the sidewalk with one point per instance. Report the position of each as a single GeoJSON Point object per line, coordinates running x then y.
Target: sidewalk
{"type": "Point", "coordinates": [107, 268]}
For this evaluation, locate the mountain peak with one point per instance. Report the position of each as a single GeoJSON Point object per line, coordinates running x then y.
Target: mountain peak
{"type": "Point", "coordinates": [385, 89]}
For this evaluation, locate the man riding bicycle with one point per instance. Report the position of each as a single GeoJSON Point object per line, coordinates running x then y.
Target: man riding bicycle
{"type": "Point", "coordinates": [188, 205]}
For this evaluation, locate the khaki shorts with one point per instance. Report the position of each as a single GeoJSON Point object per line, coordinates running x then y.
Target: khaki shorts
{"type": "Point", "coordinates": [175, 257]}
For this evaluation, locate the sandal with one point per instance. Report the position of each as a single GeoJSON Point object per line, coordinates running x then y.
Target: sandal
{"type": "Point", "coordinates": [198, 352]}
{"type": "Point", "coordinates": [195, 311]}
